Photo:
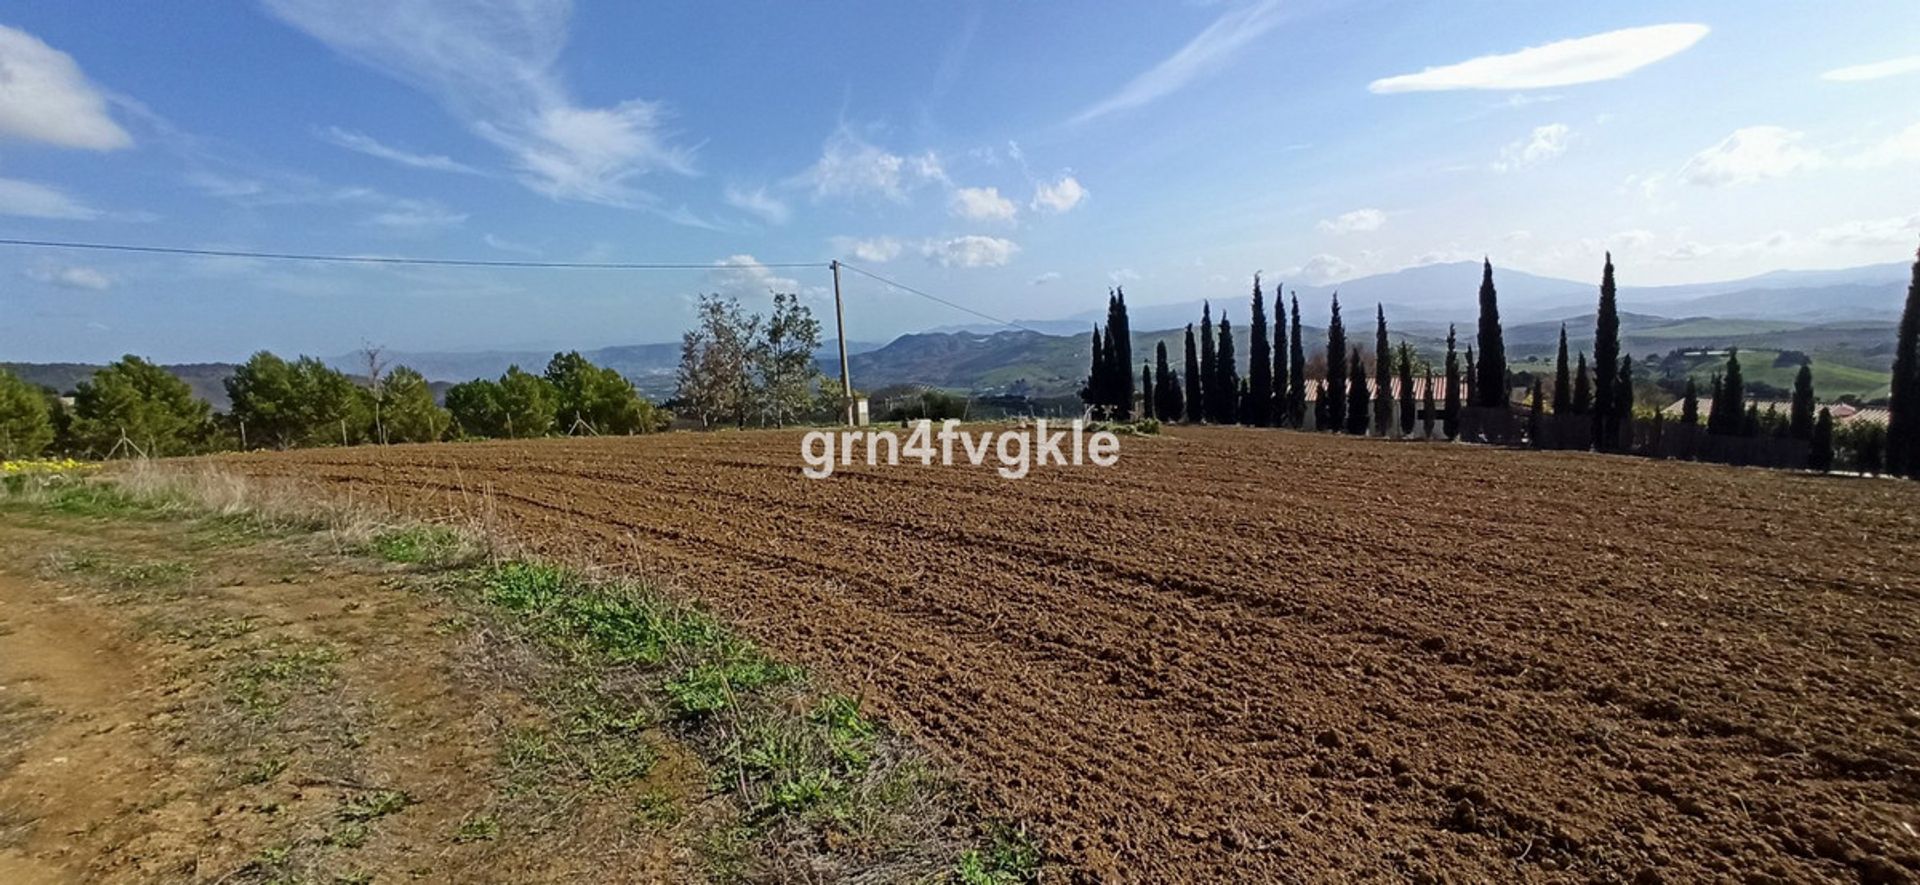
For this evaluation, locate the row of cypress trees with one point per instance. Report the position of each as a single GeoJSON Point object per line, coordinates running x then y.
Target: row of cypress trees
{"type": "Point", "coordinates": [1903, 424]}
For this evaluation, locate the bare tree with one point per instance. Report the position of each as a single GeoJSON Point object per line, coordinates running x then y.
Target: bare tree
{"type": "Point", "coordinates": [374, 358]}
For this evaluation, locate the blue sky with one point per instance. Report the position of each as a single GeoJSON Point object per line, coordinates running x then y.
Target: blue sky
{"type": "Point", "coordinates": [1018, 157]}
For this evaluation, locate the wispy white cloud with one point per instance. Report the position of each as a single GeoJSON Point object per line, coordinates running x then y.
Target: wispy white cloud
{"type": "Point", "coordinates": [44, 97]}
{"type": "Point", "coordinates": [1543, 144]}
{"type": "Point", "coordinates": [1045, 278]}
{"type": "Point", "coordinates": [878, 250]}
{"type": "Point", "coordinates": [1206, 53]}
{"type": "Point", "coordinates": [1605, 56]}
{"type": "Point", "coordinates": [1121, 275]}
{"type": "Point", "coordinates": [416, 217]}
{"type": "Point", "coordinates": [1901, 147]}
{"type": "Point", "coordinates": [972, 250]}
{"type": "Point", "coordinates": [851, 167]}
{"type": "Point", "coordinates": [1875, 233]}
{"type": "Point", "coordinates": [1751, 154]}
{"type": "Point", "coordinates": [71, 277]}
{"type": "Point", "coordinates": [759, 203]}
{"type": "Point", "coordinates": [743, 277]}
{"type": "Point", "coordinates": [982, 204]}
{"type": "Point", "coordinates": [366, 144]}
{"type": "Point", "coordinates": [1058, 196]}
{"type": "Point", "coordinates": [1892, 67]}
{"type": "Point", "coordinates": [1322, 269]}
{"type": "Point", "coordinates": [27, 199]}
{"type": "Point", "coordinates": [493, 65]}
{"type": "Point", "coordinates": [503, 244]}
{"type": "Point", "coordinates": [1357, 221]}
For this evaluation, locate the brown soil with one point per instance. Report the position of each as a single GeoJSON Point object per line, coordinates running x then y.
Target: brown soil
{"type": "Point", "coordinates": [1260, 655]}
{"type": "Point", "coordinates": [179, 703]}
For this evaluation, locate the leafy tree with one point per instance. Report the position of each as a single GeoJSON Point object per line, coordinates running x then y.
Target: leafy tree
{"type": "Point", "coordinates": [785, 360]}
{"type": "Point", "coordinates": [1903, 424]}
{"type": "Point", "coordinates": [1406, 389]}
{"type": "Point", "coordinates": [1323, 409]}
{"type": "Point", "coordinates": [1259, 363]}
{"type": "Point", "coordinates": [1820, 455]}
{"type": "Point", "coordinates": [140, 402]}
{"type": "Point", "coordinates": [1690, 404]}
{"type": "Point", "coordinates": [526, 404]}
{"type": "Point", "coordinates": [1562, 382]}
{"type": "Point", "coordinates": [1451, 425]}
{"type": "Point", "coordinates": [1228, 375]}
{"type": "Point", "coordinates": [1336, 369]}
{"type": "Point", "coordinates": [1865, 443]}
{"type": "Point", "coordinates": [411, 414]}
{"type": "Point", "coordinates": [1750, 425]}
{"type": "Point", "coordinates": [1210, 389]}
{"type": "Point", "coordinates": [716, 362]}
{"type": "Point", "coordinates": [1356, 411]}
{"type": "Point", "coordinates": [1279, 409]}
{"type": "Point", "coordinates": [265, 397]}
{"type": "Point", "coordinates": [1382, 374]}
{"type": "Point", "coordinates": [599, 398]}
{"type": "Point", "coordinates": [476, 409]}
{"type": "Point", "coordinates": [1296, 370]}
{"type": "Point", "coordinates": [1490, 387]}
{"type": "Point", "coordinates": [1800, 419]}
{"type": "Point", "coordinates": [1534, 438]}
{"type": "Point", "coordinates": [26, 423]}
{"type": "Point", "coordinates": [1606, 369]}
{"type": "Point", "coordinates": [331, 408]}
{"type": "Point", "coordinates": [1582, 393]}
{"type": "Point", "coordinates": [1195, 400]}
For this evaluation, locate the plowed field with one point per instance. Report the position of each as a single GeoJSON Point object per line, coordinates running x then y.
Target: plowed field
{"type": "Point", "coordinates": [1245, 655]}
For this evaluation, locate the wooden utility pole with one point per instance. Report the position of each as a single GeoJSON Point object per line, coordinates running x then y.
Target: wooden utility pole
{"type": "Point", "coordinates": [840, 328]}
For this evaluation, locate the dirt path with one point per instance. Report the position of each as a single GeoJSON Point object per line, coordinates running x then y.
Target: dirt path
{"type": "Point", "coordinates": [179, 702]}
{"type": "Point", "coordinates": [1273, 655]}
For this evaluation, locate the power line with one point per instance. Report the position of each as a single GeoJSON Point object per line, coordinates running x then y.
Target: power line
{"type": "Point", "coordinates": [431, 262]}
{"type": "Point", "coordinates": [932, 297]}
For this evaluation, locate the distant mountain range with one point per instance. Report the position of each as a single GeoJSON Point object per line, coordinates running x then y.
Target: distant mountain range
{"type": "Point", "coordinates": [1842, 319]}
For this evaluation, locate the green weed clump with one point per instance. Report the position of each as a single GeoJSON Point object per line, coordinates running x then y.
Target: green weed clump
{"type": "Point", "coordinates": [422, 545]}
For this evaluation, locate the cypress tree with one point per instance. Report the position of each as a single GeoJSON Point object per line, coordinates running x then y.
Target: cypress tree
{"type": "Point", "coordinates": [1562, 383]}
{"type": "Point", "coordinates": [1382, 373]}
{"type": "Point", "coordinates": [1903, 421]}
{"type": "Point", "coordinates": [1278, 410]}
{"type": "Point", "coordinates": [1490, 386]}
{"type": "Point", "coordinates": [1533, 418]}
{"type": "Point", "coordinates": [1259, 364]}
{"type": "Point", "coordinates": [1731, 401]}
{"type": "Point", "coordinates": [1228, 375]}
{"type": "Point", "coordinates": [1582, 394]}
{"type": "Point", "coordinates": [1209, 372]}
{"type": "Point", "coordinates": [1193, 396]}
{"type": "Point", "coordinates": [1120, 354]}
{"type": "Point", "coordinates": [1800, 420]}
{"type": "Point", "coordinates": [1622, 402]}
{"type": "Point", "coordinates": [1606, 356]}
{"type": "Point", "coordinates": [1336, 370]}
{"type": "Point", "coordinates": [1109, 389]}
{"type": "Point", "coordinates": [1472, 377]}
{"type": "Point", "coordinates": [1427, 426]}
{"type": "Point", "coordinates": [1296, 370]}
{"type": "Point", "coordinates": [1452, 423]}
{"type": "Point", "coordinates": [1322, 409]}
{"type": "Point", "coordinates": [1406, 389]}
{"type": "Point", "coordinates": [1146, 391]}
{"type": "Point", "coordinates": [1166, 392]}
{"type": "Point", "coordinates": [1820, 455]}
{"type": "Point", "coordinates": [1715, 425]}
{"type": "Point", "coordinates": [1356, 395]}
{"type": "Point", "coordinates": [1690, 404]}
{"type": "Point", "coordinates": [1091, 392]}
